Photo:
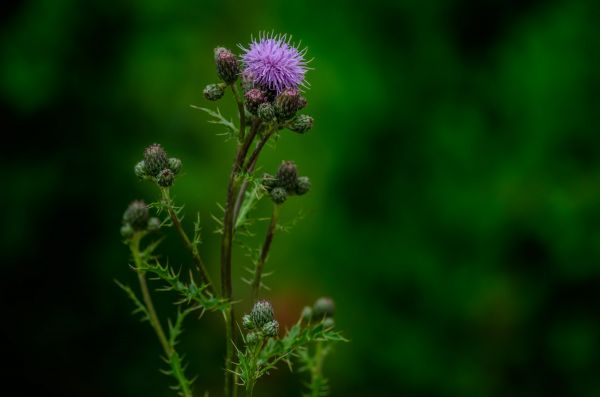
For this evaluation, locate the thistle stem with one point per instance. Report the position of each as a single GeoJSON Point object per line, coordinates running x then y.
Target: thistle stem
{"type": "Point", "coordinates": [249, 169]}
{"type": "Point", "coordinates": [137, 258]}
{"type": "Point", "coordinates": [186, 240]}
{"type": "Point", "coordinates": [227, 245]}
{"type": "Point", "coordinates": [264, 252]}
{"type": "Point", "coordinates": [240, 105]}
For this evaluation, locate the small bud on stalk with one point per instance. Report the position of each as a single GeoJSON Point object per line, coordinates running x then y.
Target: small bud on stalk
{"type": "Point", "coordinates": [278, 195]}
{"type": "Point", "coordinates": [174, 165]}
{"type": "Point", "coordinates": [254, 98]}
{"type": "Point", "coordinates": [247, 322]}
{"type": "Point", "coordinates": [271, 328]}
{"type": "Point", "coordinates": [140, 169]}
{"type": "Point", "coordinates": [155, 159]}
{"type": "Point", "coordinates": [261, 313]}
{"type": "Point", "coordinates": [153, 224]}
{"type": "Point", "coordinates": [227, 65]}
{"type": "Point", "coordinates": [266, 112]}
{"type": "Point", "coordinates": [302, 185]}
{"type": "Point", "coordinates": [136, 215]}
{"type": "Point", "coordinates": [301, 123]}
{"type": "Point", "coordinates": [214, 92]}
{"type": "Point", "coordinates": [287, 103]}
{"type": "Point", "coordinates": [287, 176]}
{"type": "Point", "coordinates": [323, 307]}
{"type": "Point", "coordinates": [269, 182]}
{"type": "Point", "coordinates": [165, 178]}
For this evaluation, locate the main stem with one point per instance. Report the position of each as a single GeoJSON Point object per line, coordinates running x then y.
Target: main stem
{"type": "Point", "coordinates": [227, 240]}
{"type": "Point", "coordinates": [264, 252]}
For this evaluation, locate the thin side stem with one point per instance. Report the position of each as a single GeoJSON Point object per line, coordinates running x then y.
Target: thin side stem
{"type": "Point", "coordinates": [135, 251]}
{"type": "Point", "coordinates": [240, 105]}
{"type": "Point", "coordinates": [264, 252]}
{"type": "Point", "coordinates": [186, 240]}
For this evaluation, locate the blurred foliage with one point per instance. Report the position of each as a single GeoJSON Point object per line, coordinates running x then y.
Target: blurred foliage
{"type": "Point", "coordinates": [454, 214]}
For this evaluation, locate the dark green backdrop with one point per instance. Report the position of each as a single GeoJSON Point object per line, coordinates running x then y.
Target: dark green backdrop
{"type": "Point", "coordinates": [454, 216]}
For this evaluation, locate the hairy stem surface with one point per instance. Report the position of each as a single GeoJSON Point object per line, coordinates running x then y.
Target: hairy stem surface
{"type": "Point", "coordinates": [264, 252]}
{"type": "Point", "coordinates": [186, 240]}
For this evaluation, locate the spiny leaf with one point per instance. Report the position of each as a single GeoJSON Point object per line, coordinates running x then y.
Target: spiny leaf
{"type": "Point", "coordinates": [231, 129]}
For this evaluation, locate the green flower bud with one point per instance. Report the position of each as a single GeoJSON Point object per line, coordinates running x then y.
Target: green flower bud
{"type": "Point", "coordinates": [140, 169]}
{"type": "Point", "coordinates": [287, 103]}
{"type": "Point", "coordinates": [254, 98]}
{"type": "Point", "coordinates": [328, 322]}
{"type": "Point", "coordinates": [307, 313]}
{"type": "Point", "coordinates": [261, 313]}
{"type": "Point", "coordinates": [165, 178]}
{"type": "Point", "coordinates": [323, 307]}
{"type": "Point", "coordinates": [228, 67]}
{"type": "Point", "coordinates": [153, 224]}
{"type": "Point", "coordinates": [269, 182]}
{"type": "Point", "coordinates": [287, 175]}
{"type": "Point", "coordinates": [266, 111]}
{"type": "Point", "coordinates": [302, 185]}
{"type": "Point", "coordinates": [126, 230]}
{"type": "Point", "coordinates": [271, 328]}
{"type": "Point", "coordinates": [251, 338]}
{"type": "Point", "coordinates": [155, 159]}
{"type": "Point", "coordinates": [174, 165]}
{"type": "Point", "coordinates": [136, 215]}
{"type": "Point", "coordinates": [214, 92]}
{"type": "Point", "coordinates": [301, 123]}
{"type": "Point", "coordinates": [247, 322]}
{"type": "Point", "coordinates": [278, 195]}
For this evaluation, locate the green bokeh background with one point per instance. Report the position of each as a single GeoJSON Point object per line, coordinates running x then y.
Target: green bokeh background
{"type": "Point", "coordinates": [454, 215]}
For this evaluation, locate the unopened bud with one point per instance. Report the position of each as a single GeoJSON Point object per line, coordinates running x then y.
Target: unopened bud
{"type": "Point", "coordinates": [287, 175]}
{"type": "Point", "coordinates": [251, 338]}
{"type": "Point", "coordinates": [266, 111]}
{"type": "Point", "coordinates": [328, 322]}
{"type": "Point", "coordinates": [136, 215]}
{"type": "Point", "coordinates": [302, 185]}
{"type": "Point", "coordinates": [165, 178]}
{"type": "Point", "coordinates": [254, 98]}
{"type": "Point", "coordinates": [278, 195]}
{"type": "Point", "coordinates": [126, 230]}
{"type": "Point", "coordinates": [214, 92]}
{"type": "Point", "coordinates": [269, 182]}
{"type": "Point", "coordinates": [307, 313]}
{"type": "Point", "coordinates": [247, 322]}
{"type": "Point", "coordinates": [301, 123]}
{"type": "Point", "coordinates": [155, 159]}
{"type": "Point", "coordinates": [140, 169]}
{"type": "Point", "coordinates": [261, 313]}
{"type": "Point", "coordinates": [271, 328]}
{"type": "Point", "coordinates": [323, 307]}
{"type": "Point", "coordinates": [153, 224]}
{"type": "Point", "coordinates": [227, 65]}
{"type": "Point", "coordinates": [286, 103]}
{"type": "Point", "coordinates": [174, 165]}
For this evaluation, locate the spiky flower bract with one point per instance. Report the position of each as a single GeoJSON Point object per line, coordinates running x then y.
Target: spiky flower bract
{"type": "Point", "coordinates": [274, 62]}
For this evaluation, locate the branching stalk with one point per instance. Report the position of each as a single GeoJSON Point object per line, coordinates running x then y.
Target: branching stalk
{"type": "Point", "coordinates": [186, 240]}
{"type": "Point", "coordinates": [264, 252]}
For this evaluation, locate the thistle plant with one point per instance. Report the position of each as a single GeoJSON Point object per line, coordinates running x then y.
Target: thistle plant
{"type": "Point", "coordinates": [266, 83]}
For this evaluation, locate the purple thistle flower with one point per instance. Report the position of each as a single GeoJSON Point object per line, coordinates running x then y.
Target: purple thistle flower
{"type": "Point", "coordinates": [274, 63]}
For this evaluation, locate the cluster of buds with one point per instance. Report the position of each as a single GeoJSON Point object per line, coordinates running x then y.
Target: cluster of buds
{"type": "Point", "coordinates": [260, 322]}
{"type": "Point", "coordinates": [158, 166]}
{"type": "Point", "coordinates": [260, 99]}
{"type": "Point", "coordinates": [322, 310]}
{"type": "Point", "coordinates": [136, 218]}
{"type": "Point", "coordinates": [285, 183]}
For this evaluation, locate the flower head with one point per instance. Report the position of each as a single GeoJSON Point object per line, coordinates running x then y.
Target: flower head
{"type": "Point", "coordinates": [274, 63]}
